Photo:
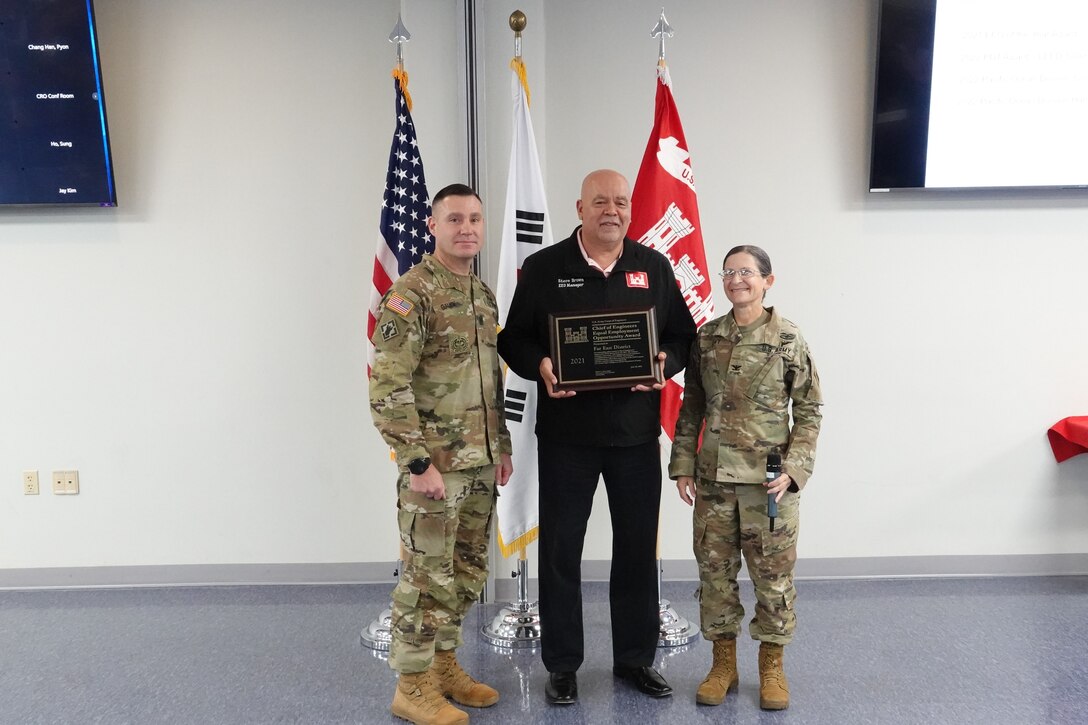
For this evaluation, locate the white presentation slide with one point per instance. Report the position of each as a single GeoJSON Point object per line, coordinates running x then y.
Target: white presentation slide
{"type": "Point", "coordinates": [1009, 103]}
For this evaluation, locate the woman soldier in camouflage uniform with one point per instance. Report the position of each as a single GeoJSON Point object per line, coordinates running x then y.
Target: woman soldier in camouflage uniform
{"type": "Point", "coordinates": [746, 370]}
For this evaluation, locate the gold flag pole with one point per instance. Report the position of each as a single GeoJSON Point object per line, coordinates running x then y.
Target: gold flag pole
{"type": "Point", "coordinates": [517, 624]}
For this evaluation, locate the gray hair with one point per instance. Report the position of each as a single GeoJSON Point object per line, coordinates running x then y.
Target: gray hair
{"type": "Point", "coordinates": [763, 260]}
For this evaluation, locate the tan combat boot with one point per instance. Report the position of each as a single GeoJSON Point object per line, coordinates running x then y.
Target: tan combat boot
{"type": "Point", "coordinates": [454, 682]}
{"type": "Point", "coordinates": [418, 701]}
{"type": "Point", "coordinates": [722, 676]}
{"type": "Point", "coordinates": [774, 691]}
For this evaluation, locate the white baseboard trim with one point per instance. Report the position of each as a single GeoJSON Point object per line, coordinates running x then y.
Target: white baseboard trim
{"type": "Point", "coordinates": [877, 567]}
{"type": "Point", "coordinates": [597, 570]}
{"type": "Point", "coordinates": [195, 575]}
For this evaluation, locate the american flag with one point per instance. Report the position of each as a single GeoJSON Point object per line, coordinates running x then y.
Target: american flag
{"type": "Point", "coordinates": [405, 210]}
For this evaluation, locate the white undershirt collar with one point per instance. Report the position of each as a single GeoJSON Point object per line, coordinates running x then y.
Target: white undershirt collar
{"type": "Point", "coordinates": [589, 260]}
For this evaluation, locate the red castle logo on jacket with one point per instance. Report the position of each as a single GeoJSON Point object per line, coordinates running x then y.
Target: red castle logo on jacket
{"type": "Point", "coordinates": [638, 279]}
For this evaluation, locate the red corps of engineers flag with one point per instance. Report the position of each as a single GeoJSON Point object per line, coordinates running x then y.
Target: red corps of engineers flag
{"type": "Point", "coordinates": [665, 217]}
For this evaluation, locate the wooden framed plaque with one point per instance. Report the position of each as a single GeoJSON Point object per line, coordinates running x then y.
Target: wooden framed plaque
{"type": "Point", "coordinates": [596, 350]}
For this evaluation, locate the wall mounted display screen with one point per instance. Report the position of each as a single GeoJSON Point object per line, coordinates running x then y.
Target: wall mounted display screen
{"type": "Point", "coordinates": [54, 144]}
{"type": "Point", "coordinates": [981, 94]}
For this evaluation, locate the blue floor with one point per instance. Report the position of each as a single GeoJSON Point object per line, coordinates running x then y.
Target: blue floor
{"type": "Point", "coordinates": [1008, 650]}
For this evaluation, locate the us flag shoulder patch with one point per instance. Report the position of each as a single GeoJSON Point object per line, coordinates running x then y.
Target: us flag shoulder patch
{"type": "Point", "coordinates": [399, 305]}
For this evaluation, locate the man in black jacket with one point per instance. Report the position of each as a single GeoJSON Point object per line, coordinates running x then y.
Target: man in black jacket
{"type": "Point", "coordinates": [584, 436]}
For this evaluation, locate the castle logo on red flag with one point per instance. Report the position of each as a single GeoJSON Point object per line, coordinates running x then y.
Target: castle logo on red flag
{"type": "Point", "coordinates": [665, 217]}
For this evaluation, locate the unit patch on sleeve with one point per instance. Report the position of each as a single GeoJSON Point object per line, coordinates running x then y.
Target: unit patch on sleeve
{"type": "Point", "coordinates": [398, 304]}
{"type": "Point", "coordinates": [389, 330]}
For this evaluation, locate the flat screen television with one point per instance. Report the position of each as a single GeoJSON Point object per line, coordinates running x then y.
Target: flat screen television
{"type": "Point", "coordinates": [54, 142]}
{"type": "Point", "coordinates": [981, 94]}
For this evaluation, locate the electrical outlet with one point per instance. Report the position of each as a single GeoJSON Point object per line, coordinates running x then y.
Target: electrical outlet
{"type": "Point", "coordinates": [30, 483]}
{"type": "Point", "coordinates": [65, 483]}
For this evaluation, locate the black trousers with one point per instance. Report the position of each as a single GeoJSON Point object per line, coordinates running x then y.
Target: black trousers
{"type": "Point", "coordinates": [568, 480]}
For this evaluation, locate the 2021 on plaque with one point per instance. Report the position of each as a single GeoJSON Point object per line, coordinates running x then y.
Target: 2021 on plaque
{"type": "Point", "coordinates": [596, 350]}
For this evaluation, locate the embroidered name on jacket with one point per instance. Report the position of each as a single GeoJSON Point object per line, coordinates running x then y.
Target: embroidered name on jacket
{"type": "Point", "coordinates": [564, 282]}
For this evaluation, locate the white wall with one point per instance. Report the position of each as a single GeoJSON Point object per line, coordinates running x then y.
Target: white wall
{"type": "Point", "coordinates": [948, 329]}
{"type": "Point", "coordinates": [198, 353]}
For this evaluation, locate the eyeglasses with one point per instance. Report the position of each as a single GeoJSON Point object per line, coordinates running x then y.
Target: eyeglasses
{"type": "Point", "coordinates": [744, 273]}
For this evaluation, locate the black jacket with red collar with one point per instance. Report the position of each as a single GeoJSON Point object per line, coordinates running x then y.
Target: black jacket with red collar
{"type": "Point", "coordinates": [558, 279]}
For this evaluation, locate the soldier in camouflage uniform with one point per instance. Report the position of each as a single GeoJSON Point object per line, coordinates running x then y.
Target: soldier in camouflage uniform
{"type": "Point", "coordinates": [436, 397]}
{"type": "Point", "coordinates": [745, 371]}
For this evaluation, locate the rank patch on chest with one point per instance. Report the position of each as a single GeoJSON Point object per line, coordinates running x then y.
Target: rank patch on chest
{"type": "Point", "coordinates": [459, 343]}
{"type": "Point", "coordinates": [398, 304]}
{"type": "Point", "coordinates": [389, 330]}
{"type": "Point", "coordinates": [638, 279]}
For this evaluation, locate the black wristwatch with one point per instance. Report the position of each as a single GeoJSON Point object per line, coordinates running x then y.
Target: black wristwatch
{"type": "Point", "coordinates": [419, 465]}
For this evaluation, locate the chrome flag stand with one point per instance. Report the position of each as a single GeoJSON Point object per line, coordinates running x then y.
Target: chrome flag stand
{"type": "Point", "coordinates": [517, 624]}
{"type": "Point", "coordinates": [379, 633]}
{"type": "Point", "coordinates": [675, 630]}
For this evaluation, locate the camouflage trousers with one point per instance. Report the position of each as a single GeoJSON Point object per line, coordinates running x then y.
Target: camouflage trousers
{"type": "Point", "coordinates": [730, 519]}
{"type": "Point", "coordinates": [445, 547]}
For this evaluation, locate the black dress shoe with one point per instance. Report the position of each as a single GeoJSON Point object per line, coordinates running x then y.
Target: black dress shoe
{"type": "Point", "coordinates": [646, 679]}
{"type": "Point", "coordinates": [561, 688]}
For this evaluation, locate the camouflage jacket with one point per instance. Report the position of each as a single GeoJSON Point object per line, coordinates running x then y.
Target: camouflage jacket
{"type": "Point", "coordinates": [741, 381]}
{"type": "Point", "coordinates": [436, 386]}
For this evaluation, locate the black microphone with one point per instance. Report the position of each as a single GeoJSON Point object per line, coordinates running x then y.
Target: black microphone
{"type": "Point", "coordinates": [774, 469]}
